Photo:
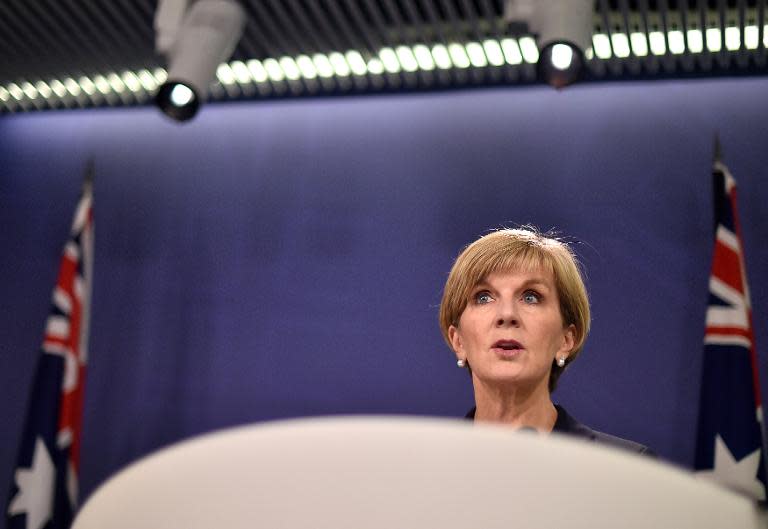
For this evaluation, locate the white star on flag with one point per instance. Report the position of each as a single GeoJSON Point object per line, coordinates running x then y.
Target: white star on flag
{"type": "Point", "coordinates": [738, 475]}
{"type": "Point", "coordinates": [35, 495]}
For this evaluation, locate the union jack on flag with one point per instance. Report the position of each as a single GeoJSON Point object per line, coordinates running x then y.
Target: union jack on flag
{"type": "Point", "coordinates": [730, 446]}
{"type": "Point", "coordinates": [44, 489]}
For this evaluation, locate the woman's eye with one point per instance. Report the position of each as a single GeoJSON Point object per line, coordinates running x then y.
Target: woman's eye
{"type": "Point", "coordinates": [529, 296]}
{"type": "Point", "coordinates": [482, 298]}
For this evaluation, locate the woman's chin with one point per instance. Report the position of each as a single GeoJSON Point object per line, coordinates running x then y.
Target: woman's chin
{"type": "Point", "coordinates": [506, 375]}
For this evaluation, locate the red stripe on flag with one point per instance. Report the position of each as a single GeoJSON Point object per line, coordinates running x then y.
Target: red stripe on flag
{"type": "Point", "coordinates": [729, 331]}
{"type": "Point", "coordinates": [726, 266]}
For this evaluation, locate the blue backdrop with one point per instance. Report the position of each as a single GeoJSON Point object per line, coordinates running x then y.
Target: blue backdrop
{"type": "Point", "coordinates": [286, 258]}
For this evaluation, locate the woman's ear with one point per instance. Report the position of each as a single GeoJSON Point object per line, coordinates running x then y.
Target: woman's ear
{"type": "Point", "coordinates": [569, 339]}
{"type": "Point", "coordinates": [455, 337]}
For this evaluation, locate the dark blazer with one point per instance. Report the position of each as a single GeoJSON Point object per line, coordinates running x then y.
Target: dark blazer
{"type": "Point", "coordinates": [567, 425]}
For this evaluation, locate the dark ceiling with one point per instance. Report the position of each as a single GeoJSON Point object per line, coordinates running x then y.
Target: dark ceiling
{"type": "Point", "coordinates": [45, 42]}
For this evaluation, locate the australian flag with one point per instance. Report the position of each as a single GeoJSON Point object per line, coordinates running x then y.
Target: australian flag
{"type": "Point", "coordinates": [730, 447]}
{"type": "Point", "coordinates": [44, 488]}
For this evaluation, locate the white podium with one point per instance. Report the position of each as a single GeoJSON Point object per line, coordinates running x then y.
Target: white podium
{"type": "Point", "coordinates": [404, 473]}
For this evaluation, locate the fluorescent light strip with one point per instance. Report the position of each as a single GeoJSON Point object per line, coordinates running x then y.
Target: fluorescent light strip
{"type": "Point", "coordinates": [290, 68]}
{"type": "Point", "coordinates": [732, 39]}
{"type": "Point", "coordinates": [696, 40]}
{"type": "Point", "coordinates": [241, 72]}
{"type": "Point", "coordinates": [340, 65]}
{"type": "Point", "coordinates": [458, 55]}
{"type": "Point", "coordinates": [714, 42]}
{"type": "Point", "coordinates": [356, 62]}
{"type": "Point", "coordinates": [620, 45]}
{"type": "Point", "coordinates": [424, 57]}
{"type": "Point", "coordinates": [676, 42]}
{"type": "Point", "coordinates": [511, 51]}
{"type": "Point", "coordinates": [225, 74]}
{"type": "Point", "coordinates": [639, 44]}
{"type": "Point", "coordinates": [306, 67]}
{"type": "Point", "coordinates": [601, 44]}
{"type": "Point", "coordinates": [493, 51]}
{"type": "Point", "coordinates": [476, 55]}
{"type": "Point", "coordinates": [407, 59]}
{"type": "Point", "coordinates": [751, 37]}
{"type": "Point", "coordinates": [529, 49]}
{"type": "Point", "coordinates": [391, 60]}
{"type": "Point", "coordinates": [442, 57]}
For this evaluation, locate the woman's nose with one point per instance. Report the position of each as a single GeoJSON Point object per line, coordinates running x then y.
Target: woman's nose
{"type": "Point", "coordinates": [507, 314]}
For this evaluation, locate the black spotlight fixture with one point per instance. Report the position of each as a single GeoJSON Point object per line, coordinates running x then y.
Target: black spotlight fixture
{"type": "Point", "coordinates": [177, 100]}
{"type": "Point", "coordinates": [196, 37]}
{"type": "Point", "coordinates": [563, 30]}
{"type": "Point", "coordinates": [561, 63]}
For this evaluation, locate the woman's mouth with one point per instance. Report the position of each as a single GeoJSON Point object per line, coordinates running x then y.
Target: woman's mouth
{"type": "Point", "coordinates": [507, 348]}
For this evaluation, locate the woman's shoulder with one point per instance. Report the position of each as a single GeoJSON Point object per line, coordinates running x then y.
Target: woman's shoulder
{"type": "Point", "coordinates": [567, 425]}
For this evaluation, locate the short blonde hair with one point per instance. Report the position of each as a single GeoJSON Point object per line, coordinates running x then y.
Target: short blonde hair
{"type": "Point", "coordinates": [521, 249]}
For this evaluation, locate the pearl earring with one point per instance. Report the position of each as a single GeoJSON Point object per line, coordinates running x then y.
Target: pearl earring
{"type": "Point", "coordinates": [561, 361]}
{"type": "Point", "coordinates": [461, 363]}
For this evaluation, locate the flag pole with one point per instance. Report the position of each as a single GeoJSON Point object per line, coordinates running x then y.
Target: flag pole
{"type": "Point", "coordinates": [718, 157]}
{"type": "Point", "coordinates": [90, 171]}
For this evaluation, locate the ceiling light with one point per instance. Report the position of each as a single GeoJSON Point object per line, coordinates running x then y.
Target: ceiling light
{"type": "Point", "coordinates": [72, 86]}
{"type": "Point", "coordinates": [306, 67]}
{"type": "Point", "coordinates": [442, 57]}
{"type": "Point", "coordinates": [620, 45]}
{"type": "Point", "coordinates": [406, 58]}
{"type": "Point", "coordinates": [493, 52]}
{"type": "Point", "coordinates": [657, 41]}
{"type": "Point", "coordinates": [389, 60]}
{"type": "Point", "coordinates": [196, 39]}
{"type": "Point", "coordinates": [339, 63]}
{"type": "Point", "coordinates": [639, 44]}
{"type": "Point", "coordinates": [43, 89]}
{"type": "Point", "coordinates": [274, 71]}
{"type": "Point", "coordinates": [676, 42]}
{"type": "Point", "coordinates": [714, 43]}
{"type": "Point", "coordinates": [356, 62]}
{"type": "Point", "coordinates": [529, 50]}
{"type": "Point", "coordinates": [423, 57]}
{"type": "Point", "coordinates": [751, 37]}
{"type": "Point", "coordinates": [131, 81]}
{"type": "Point", "coordinates": [257, 70]}
{"type": "Point", "coordinates": [375, 66]}
{"type": "Point", "coordinates": [563, 30]}
{"type": "Point", "coordinates": [601, 45]}
{"type": "Point", "coordinates": [476, 55]}
{"type": "Point", "coordinates": [511, 51]}
{"type": "Point", "coordinates": [323, 65]}
{"type": "Point", "coordinates": [290, 68]}
{"type": "Point", "coordinates": [458, 55]}
{"type": "Point", "coordinates": [58, 88]}
{"type": "Point", "coordinates": [695, 41]}
{"type": "Point", "coordinates": [732, 39]}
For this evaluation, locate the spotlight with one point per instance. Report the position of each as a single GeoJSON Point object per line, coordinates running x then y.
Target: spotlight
{"type": "Point", "coordinates": [563, 29]}
{"type": "Point", "coordinates": [560, 64]}
{"type": "Point", "coordinates": [177, 100]}
{"type": "Point", "coordinates": [195, 39]}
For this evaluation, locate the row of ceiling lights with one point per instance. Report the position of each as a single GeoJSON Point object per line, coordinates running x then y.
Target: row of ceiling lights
{"type": "Point", "coordinates": [114, 88]}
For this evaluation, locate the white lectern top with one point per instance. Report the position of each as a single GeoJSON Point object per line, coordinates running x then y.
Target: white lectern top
{"type": "Point", "coordinates": [402, 473]}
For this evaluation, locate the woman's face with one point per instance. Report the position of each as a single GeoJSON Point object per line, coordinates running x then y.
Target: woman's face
{"type": "Point", "coordinates": [512, 330]}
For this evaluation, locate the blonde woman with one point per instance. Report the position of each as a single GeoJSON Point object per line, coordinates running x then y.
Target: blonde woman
{"type": "Point", "coordinates": [516, 314]}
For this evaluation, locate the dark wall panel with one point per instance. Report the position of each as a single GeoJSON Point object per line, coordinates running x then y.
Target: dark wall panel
{"type": "Point", "coordinates": [283, 259]}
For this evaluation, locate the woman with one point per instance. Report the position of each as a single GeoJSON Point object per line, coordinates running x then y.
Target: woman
{"type": "Point", "coordinates": [515, 312]}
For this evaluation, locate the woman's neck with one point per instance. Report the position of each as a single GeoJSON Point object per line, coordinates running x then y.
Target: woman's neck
{"type": "Point", "coordinates": [516, 408]}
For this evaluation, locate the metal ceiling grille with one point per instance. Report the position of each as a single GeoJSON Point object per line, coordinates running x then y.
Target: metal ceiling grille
{"type": "Point", "coordinates": [75, 53]}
